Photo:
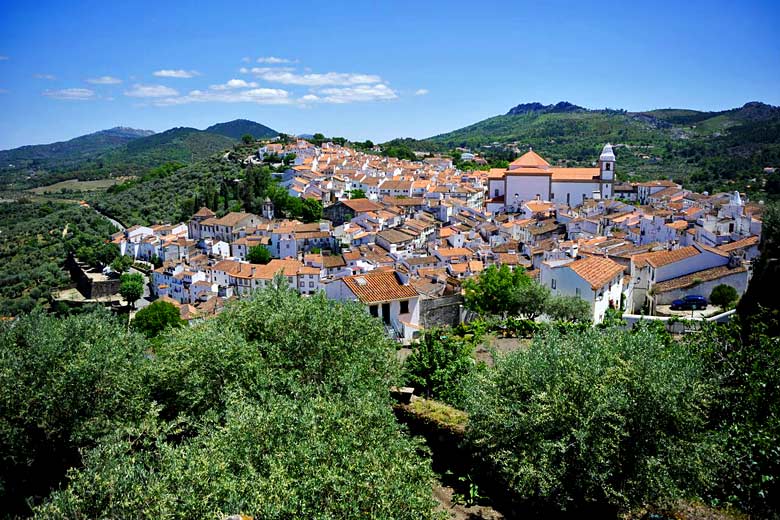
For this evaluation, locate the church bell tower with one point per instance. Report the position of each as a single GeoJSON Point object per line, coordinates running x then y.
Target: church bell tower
{"type": "Point", "coordinates": [607, 170]}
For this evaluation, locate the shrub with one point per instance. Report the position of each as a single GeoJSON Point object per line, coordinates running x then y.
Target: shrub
{"type": "Point", "coordinates": [600, 417]}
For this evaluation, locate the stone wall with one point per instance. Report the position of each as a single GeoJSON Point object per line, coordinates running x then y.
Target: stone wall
{"type": "Point", "coordinates": [441, 312]}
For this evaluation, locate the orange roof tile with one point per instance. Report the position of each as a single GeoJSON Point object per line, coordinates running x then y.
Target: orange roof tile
{"type": "Point", "coordinates": [379, 286]}
{"type": "Point", "coordinates": [662, 258]}
{"type": "Point", "coordinates": [596, 270]}
{"type": "Point", "coordinates": [530, 159]}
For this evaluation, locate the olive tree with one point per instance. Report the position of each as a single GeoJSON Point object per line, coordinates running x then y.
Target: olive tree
{"type": "Point", "coordinates": [602, 417]}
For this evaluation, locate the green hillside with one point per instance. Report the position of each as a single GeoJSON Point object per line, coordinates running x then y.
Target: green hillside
{"type": "Point", "coordinates": [241, 127]}
{"type": "Point", "coordinates": [705, 150]}
{"type": "Point", "coordinates": [118, 152]}
{"type": "Point", "coordinates": [67, 153]}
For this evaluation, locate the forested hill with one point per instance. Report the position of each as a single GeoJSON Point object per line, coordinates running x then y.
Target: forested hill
{"type": "Point", "coordinates": [118, 152]}
{"type": "Point", "coordinates": [69, 152]}
{"type": "Point", "coordinates": [241, 127]}
{"type": "Point", "coordinates": [706, 150]}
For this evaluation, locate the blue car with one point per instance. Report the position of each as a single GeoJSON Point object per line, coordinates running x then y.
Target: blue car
{"type": "Point", "coordinates": [691, 302]}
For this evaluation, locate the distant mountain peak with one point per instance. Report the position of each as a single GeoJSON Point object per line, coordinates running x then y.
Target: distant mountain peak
{"type": "Point", "coordinates": [237, 128]}
{"type": "Point", "coordinates": [126, 131]}
{"type": "Point", "coordinates": [560, 107]}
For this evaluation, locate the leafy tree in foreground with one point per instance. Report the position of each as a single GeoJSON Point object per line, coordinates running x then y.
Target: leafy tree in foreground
{"type": "Point", "coordinates": [495, 290]}
{"type": "Point", "coordinates": [530, 299]}
{"type": "Point", "coordinates": [122, 263]}
{"type": "Point", "coordinates": [357, 194]}
{"type": "Point", "coordinates": [746, 410]}
{"type": "Point", "coordinates": [603, 418]}
{"type": "Point", "coordinates": [311, 210]}
{"type": "Point", "coordinates": [258, 255]}
{"type": "Point", "coordinates": [276, 408]}
{"type": "Point", "coordinates": [568, 308]}
{"type": "Point", "coordinates": [155, 318]}
{"type": "Point", "coordinates": [439, 365]}
{"type": "Point", "coordinates": [131, 287]}
{"type": "Point", "coordinates": [64, 383]}
{"type": "Point", "coordinates": [723, 295]}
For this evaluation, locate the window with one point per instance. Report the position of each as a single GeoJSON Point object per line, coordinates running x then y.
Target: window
{"type": "Point", "coordinates": [495, 192]}
{"type": "Point", "coordinates": [607, 166]}
{"type": "Point", "coordinates": [568, 199]}
{"type": "Point", "coordinates": [553, 283]}
{"type": "Point", "coordinates": [374, 310]}
{"type": "Point", "coordinates": [577, 292]}
{"type": "Point", "coordinates": [405, 307]}
{"type": "Point", "coordinates": [311, 285]}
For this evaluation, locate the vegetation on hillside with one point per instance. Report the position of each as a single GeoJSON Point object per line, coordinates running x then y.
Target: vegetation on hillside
{"type": "Point", "coordinates": [707, 151]}
{"type": "Point", "coordinates": [119, 158]}
{"type": "Point", "coordinates": [222, 183]}
{"type": "Point", "coordinates": [277, 408]}
{"type": "Point", "coordinates": [35, 239]}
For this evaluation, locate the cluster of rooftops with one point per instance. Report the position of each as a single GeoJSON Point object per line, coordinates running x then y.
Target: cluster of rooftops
{"type": "Point", "coordinates": [434, 226]}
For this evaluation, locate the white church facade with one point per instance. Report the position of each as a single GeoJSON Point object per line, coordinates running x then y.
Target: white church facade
{"type": "Point", "coordinates": [530, 177]}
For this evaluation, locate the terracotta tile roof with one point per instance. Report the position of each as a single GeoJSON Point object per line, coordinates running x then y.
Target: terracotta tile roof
{"type": "Point", "coordinates": [662, 258]}
{"type": "Point", "coordinates": [361, 205]}
{"type": "Point", "coordinates": [379, 286]}
{"type": "Point", "coordinates": [205, 212]}
{"type": "Point", "coordinates": [678, 224]}
{"type": "Point", "coordinates": [454, 251]}
{"type": "Point", "coordinates": [596, 270]}
{"type": "Point", "coordinates": [693, 279]}
{"type": "Point", "coordinates": [333, 261]}
{"type": "Point", "coordinates": [530, 159]}
{"type": "Point", "coordinates": [739, 244]}
{"type": "Point", "coordinates": [575, 174]}
{"type": "Point", "coordinates": [395, 236]}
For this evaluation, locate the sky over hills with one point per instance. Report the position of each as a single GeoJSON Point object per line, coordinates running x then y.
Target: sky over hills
{"type": "Point", "coordinates": [369, 71]}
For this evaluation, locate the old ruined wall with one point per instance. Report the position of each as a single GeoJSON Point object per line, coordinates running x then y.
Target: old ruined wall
{"type": "Point", "coordinates": [441, 312]}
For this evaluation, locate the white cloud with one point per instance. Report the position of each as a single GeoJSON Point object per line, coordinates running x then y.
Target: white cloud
{"type": "Point", "coordinates": [421, 91]}
{"type": "Point", "coordinates": [233, 84]}
{"type": "Point", "coordinates": [246, 59]}
{"type": "Point", "coordinates": [72, 94]}
{"type": "Point", "coordinates": [273, 60]}
{"type": "Point", "coordinates": [151, 91]}
{"type": "Point", "coordinates": [45, 76]}
{"type": "Point", "coordinates": [287, 77]}
{"type": "Point", "coordinates": [310, 98]}
{"type": "Point", "coordinates": [104, 80]}
{"type": "Point", "coordinates": [358, 93]}
{"type": "Point", "coordinates": [261, 96]}
{"type": "Point", "coordinates": [176, 73]}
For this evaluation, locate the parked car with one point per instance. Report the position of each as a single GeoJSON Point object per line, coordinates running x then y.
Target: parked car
{"type": "Point", "coordinates": [691, 302]}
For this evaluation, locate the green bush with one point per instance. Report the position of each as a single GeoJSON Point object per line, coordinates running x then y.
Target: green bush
{"type": "Point", "coordinates": [439, 365]}
{"type": "Point", "coordinates": [601, 417]}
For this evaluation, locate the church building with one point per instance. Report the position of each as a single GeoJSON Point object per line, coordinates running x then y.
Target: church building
{"type": "Point", "coordinates": [530, 177]}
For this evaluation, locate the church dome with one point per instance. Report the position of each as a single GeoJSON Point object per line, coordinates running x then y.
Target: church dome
{"type": "Point", "coordinates": [607, 154]}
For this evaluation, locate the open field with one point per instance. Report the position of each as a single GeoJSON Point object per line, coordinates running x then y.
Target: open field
{"type": "Point", "coordinates": [77, 185]}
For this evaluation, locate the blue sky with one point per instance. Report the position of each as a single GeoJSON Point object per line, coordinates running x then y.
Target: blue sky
{"type": "Point", "coordinates": [366, 69]}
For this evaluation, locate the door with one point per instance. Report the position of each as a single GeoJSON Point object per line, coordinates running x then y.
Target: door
{"type": "Point", "coordinates": [386, 312]}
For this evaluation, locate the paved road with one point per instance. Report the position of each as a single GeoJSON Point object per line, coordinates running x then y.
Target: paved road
{"type": "Point", "coordinates": [116, 223]}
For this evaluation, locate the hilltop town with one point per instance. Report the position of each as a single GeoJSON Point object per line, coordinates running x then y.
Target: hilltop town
{"type": "Point", "coordinates": [401, 236]}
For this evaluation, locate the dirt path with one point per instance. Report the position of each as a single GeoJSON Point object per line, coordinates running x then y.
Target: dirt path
{"type": "Point", "coordinates": [444, 495]}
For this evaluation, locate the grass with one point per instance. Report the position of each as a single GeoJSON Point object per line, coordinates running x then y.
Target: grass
{"type": "Point", "coordinates": [440, 413]}
{"type": "Point", "coordinates": [77, 185]}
